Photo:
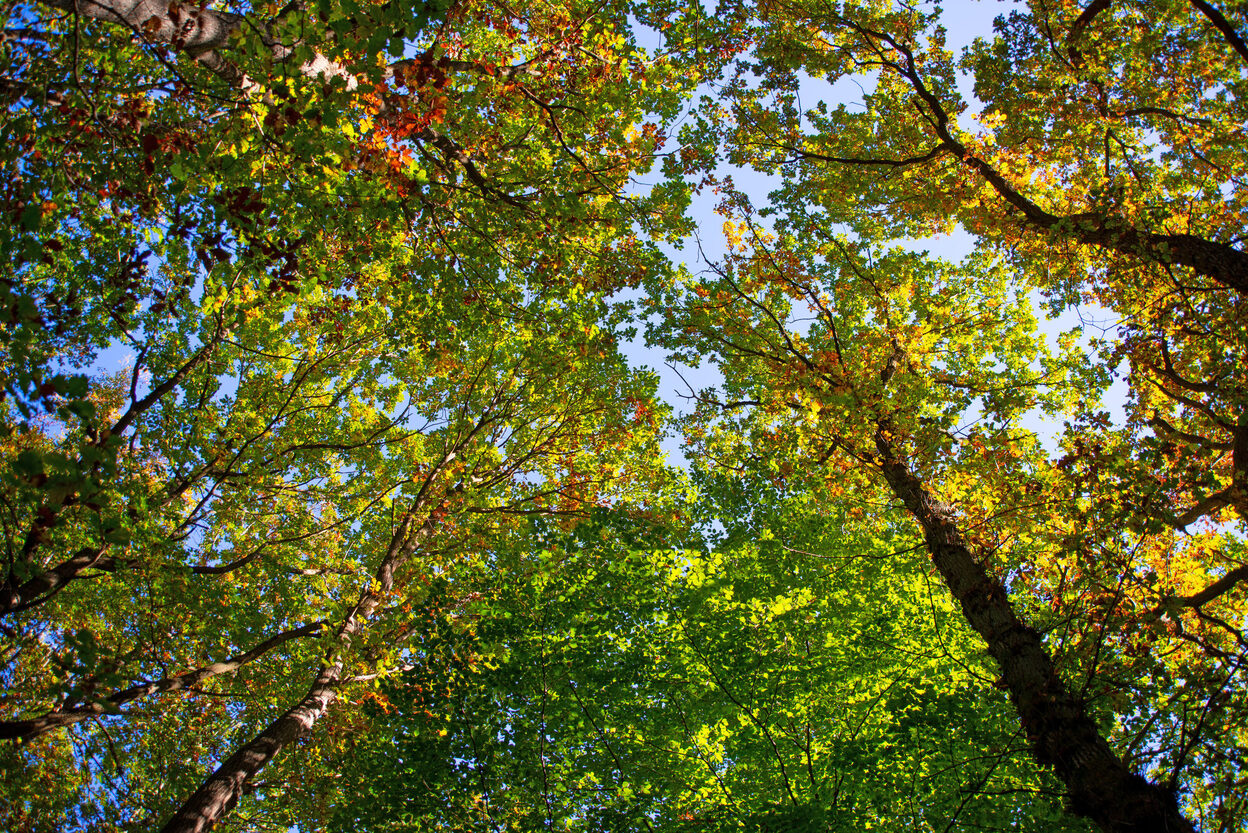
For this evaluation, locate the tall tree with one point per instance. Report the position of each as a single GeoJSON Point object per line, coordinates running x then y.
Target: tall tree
{"type": "Point", "coordinates": [378, 499]}
{"type": "Point", "coordinates": [358, 258]}
{"type": "Point", "coordinates": [907, 381]}
{"type": "Point", "coordinates": [1094, 165]}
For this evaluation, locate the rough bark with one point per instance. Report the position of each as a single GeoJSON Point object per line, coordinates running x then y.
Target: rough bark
{"type": "Point", "coordinates": [1062, 735]}
{"type": "Point", "coordinates": [194, 29]}
{"type": "Point", "coordinates": [201, 33]}
{"type": "Point", "coordinates": [218, 794]}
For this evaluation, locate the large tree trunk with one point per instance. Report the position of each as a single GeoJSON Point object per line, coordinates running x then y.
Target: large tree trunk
{"type": "Point", "coordinates": [1062, 735]}
{"type": "Point", "coordinates": [185, 25]}
{"type": "Point", "coordinates": [218, 794]}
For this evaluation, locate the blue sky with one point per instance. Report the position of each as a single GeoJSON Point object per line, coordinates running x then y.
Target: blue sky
{"type": "Point", "coordinates": [965, 20]}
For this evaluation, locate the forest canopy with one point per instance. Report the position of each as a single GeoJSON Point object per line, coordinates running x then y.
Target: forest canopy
{"type": "Point", "coordinates": [334, 495]}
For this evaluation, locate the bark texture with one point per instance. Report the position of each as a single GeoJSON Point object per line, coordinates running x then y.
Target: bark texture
{"type": "Point", "coordinates": [218, 794]}
{"type": "Point", "coordinates": [195, 29]}
{"type": "Point", "coordinates": [1062, 735]}
{"type": "Point", "coordinates": [201, 33]}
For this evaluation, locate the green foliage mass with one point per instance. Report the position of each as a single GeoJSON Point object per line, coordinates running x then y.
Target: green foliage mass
{"type": "Point", "coordinates": [789, 677]}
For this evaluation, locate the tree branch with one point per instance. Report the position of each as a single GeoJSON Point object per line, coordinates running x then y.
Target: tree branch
{"type": "Point", "coordinates": [34, 727]}
{"type": "Point", "coordinates": [1224, 26]}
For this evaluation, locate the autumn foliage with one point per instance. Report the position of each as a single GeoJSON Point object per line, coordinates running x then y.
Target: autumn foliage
{"type": "Point", "coordinates": [333, 496]}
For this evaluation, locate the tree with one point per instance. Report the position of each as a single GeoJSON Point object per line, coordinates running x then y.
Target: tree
{"type": "Point", "coordinates": [1099, 160]}
{"type": "Point", "coordinates": [367, 329]}
{"type": "Point", "coordinates": [378, 499]}
{"type": "Point", "coordinates": [906, 383]}
{"type": "Point", "coordinates": [1097, 173]}
{"type": "Point", "coordinates": [1076, 143]}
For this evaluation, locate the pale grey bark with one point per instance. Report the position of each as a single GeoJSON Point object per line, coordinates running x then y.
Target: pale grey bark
{"type": "Point", "coordinates": [218, 794]}
{"type": "Point", "coordinates": [203, 34]}
{"type": "Point", "coordinates": [193, 29]}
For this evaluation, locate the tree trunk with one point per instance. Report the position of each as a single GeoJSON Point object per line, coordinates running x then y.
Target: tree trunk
{"type": "Point", "coordinates": [199, 32]}
{"type": "Point", "coordinates": [187, 26]}
{"type": "Point", "coordinates": [1062, 735]}
{"type": "Point", "coordinates": [218, 794]}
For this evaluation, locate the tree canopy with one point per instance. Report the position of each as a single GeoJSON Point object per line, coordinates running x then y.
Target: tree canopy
{"type": "Point", "coordinates": [333, 496]}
